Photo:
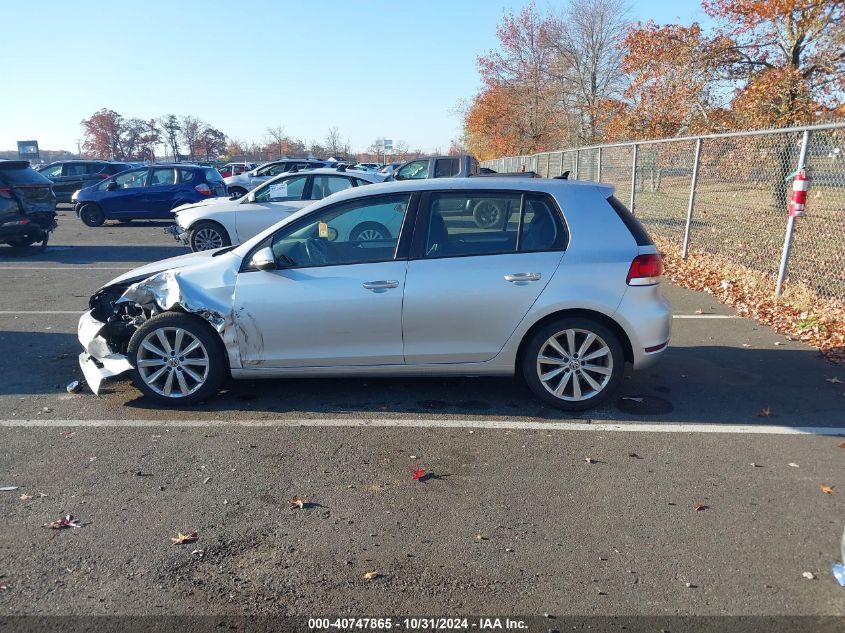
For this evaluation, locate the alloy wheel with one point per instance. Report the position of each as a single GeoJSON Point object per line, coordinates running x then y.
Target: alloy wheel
{"type": "Point", "coordinates": [574, 365]}
{"type": "Point", "coordinates": [206, 239]}
{"type": "Point", "coordinates": [173, 362]}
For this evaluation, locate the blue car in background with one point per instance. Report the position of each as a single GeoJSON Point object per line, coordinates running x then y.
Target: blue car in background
{"type": "Point", "coordinates": [147, 193]}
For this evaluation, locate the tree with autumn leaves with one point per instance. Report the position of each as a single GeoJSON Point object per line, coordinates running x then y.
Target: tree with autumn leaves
{"type": "Point", "coordinates": [587, 76]}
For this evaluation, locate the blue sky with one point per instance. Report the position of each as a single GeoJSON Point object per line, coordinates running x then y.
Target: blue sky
{"type": "Point", "coordinates": [371, 67]}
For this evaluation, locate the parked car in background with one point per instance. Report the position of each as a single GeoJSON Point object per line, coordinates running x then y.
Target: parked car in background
{"type": "Point", "coordinates": [69, 176]}
{"type": "Point", "coordinates": [220, 222]}
{"type": "Point", "coordinates": [240, 184]}
{"type": "Point", "coordinates": [367, 166]}
{"type": "Point", "coordinates": [563, 293]}
{"type": "Point", "coordinates": [388, 169]}
{"type": "Point", "coordinates": [235, 169]}
{"type": "Point", "coordinates": [147, 193]}
{"type": "Point", "coordinates": [27, 205]}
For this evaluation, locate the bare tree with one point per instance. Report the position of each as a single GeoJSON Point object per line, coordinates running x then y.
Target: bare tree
{"type": "Point", "coordinates": [333, 142]}
{"type": "Point", "coordinates": [278, 137]}
{"type": "Point", "coordinates": [192, 128]}
{"type": "Point", "coordinates": [587, 62]}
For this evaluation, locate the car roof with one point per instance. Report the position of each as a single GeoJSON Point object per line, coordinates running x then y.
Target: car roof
{"type": "Point", "coordinates": [13, 164]}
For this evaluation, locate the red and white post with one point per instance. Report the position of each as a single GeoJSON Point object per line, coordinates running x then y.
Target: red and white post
{"type": "Point", "coordinates": [800, 184]}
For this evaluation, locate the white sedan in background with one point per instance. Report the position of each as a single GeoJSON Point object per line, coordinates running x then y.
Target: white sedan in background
{"type": "Point", "coordinates": [219, 222]}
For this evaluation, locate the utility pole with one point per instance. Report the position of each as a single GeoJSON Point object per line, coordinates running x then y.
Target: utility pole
{"type": "Point", "coordinates": [78, 148]}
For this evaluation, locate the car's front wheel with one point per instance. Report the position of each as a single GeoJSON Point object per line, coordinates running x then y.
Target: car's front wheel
{"type": "Point", "coordinates": [92, 215]}
{"type": "Point", "coordinates": [369, 232]}
{"type": "Point", "coordinates": [178, 359]}
{"type": "Point", "coordinates": [205, 236]}
{"type": "Point", "coordinates": [573, 363]}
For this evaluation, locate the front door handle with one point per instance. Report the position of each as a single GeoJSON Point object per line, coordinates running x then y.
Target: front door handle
{"type": "Point", "coordinates": [381, 286]}
{"type": "Point", "coordinates": [522, 277]}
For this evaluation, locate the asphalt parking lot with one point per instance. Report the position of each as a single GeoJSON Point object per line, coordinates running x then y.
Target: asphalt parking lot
{"type": "Point", "coordinates": [736, 421]}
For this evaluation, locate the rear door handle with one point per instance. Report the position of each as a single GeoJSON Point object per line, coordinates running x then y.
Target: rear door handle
{"type": "Point", "coordinates": [522, 277]}
{"type": "Point", "coordinates": [380, 286]}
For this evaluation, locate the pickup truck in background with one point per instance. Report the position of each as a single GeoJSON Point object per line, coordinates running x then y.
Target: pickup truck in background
{"type": "Point", "coordinates": [486, 213]}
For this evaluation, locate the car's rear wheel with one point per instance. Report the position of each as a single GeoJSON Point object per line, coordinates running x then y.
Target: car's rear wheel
{"type": "Point", "coordinates": [205, 236]}
{"type": "Point", "coordinates": [487, 214]}
{"type": "Point", "coordinates": [573, 363]}
{"type": "Point", "coordinates": [177, 358]}
{"type": "Point", "coordinates": [92, 215]}
{"type": "Point", "coordinates": [369, 232]}
{"type": "Point", "coordinates": [236, 192]}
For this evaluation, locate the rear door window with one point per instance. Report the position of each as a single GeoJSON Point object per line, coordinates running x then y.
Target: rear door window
{"type": "Point", "coordinates": [281, 190]}
{"type": "Point", "coordinates": [162, 177]}
{"type": "Point", "coordinates": [323, 186]}
{"type": "Point", "coordinates": [414, 170]}
{"type": "Point", "coordinates": [52, 171]}
{"type": "Point", "coordinates": [78, 169]}
{"type": "Point", "coordinates": [472, 223]}
{"type": "Point", "coordinates": [186, 175]}
{"type": "Point", "coordinates": [130, 179]}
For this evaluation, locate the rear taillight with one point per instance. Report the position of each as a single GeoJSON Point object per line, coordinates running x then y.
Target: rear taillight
{"type": "Point", "coordinates": [645, 270]}
{"type": "Point", "coordinates": [16, 223]}
{"type": "Point", "coordinates": [204, 189]}
{"type": "Point", "coordinates": [5, 192]}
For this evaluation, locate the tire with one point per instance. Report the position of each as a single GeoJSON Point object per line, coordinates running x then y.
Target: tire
{"type": "Point", "coordinates": [606, 369]}
{"type": "Point", "coordinates": [369, 232]}
{"type": "Point", "coordinates": [92, 215]}
{"type": "Point", "coordinates": [487, 214]}
{"type": "Point", "coordinates": [189, 378]}
{"type": "Point", "coordinates": [22, 243]}
{"type": "Point", "coordinates": [207, 235]}
{"type": "Point", "coordinates": [237, 192]}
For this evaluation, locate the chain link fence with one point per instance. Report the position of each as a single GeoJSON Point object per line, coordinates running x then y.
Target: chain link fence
{"type": "Point", "coordinates": [728, 194]}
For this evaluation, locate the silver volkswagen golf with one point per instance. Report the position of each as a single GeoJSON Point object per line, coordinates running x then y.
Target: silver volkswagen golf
{"type": "Point", "coordinates": [561, 289]}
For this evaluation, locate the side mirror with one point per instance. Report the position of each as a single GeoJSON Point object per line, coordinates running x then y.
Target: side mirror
{"type": "Point", "coordinates": [263, 259]}
{"type": "Point", "coordinates": [112, 186]}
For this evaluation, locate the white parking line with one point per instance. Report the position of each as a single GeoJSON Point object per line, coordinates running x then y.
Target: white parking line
{"type": "Point", "coordinates": [17, 312]}
{"type": "Point", "coordinates": [705, 316]}
{"type": "Point", "coordinates": [600, 426]}
{"type": "Point", "coordinates": [69, 267]}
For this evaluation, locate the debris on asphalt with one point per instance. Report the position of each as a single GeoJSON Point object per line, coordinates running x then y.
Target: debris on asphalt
{"type": "Point", "coordinates": [699, 507]}
{"type": "Point", "coordinates": [206, 480]}
{"type": "Point", "coordinates": [198, 552]}
{"type": "Point", "coordinates": [842, 445]}
{"type": "Point", "coordinates": [828, 490]}
{"type": "Point", "coordinates": [66, 521]}
{"type": "Point", "coordinates": [765, 412]}
{"type": "Point", "coordinates": [589, 460]}
{"type": "Point", "coordinates": [480, 537]}
{"type": "Point", "coordinates": [508, 549]}
{"type": "Point", "coordinates": [634, 455]}
{"type": "Point", "coordinates": [755, 465]}
{"type": "Point", "coordinates": [25, 497]}
{"type": "Point", "coordinates": [8, 488]}
{"type": "Point", "coordinates": [778, 342]}
{"type": "Point", "coordinates": [75, 386]}
{"type": "Point", "coordinates": [371, 575]}
{"type": "Point", "coordinates": [181, 539]}
{"type": "Point", "coordinates": [419, 473]}
{"type": "Point", "coordinates": [68, 434]}
{"type": "Point", "coordinates": [809, 575]}
{"type": "Point", "coordinates": [839, 573]}
{"type": "Point", "coordinates": [46, 410]}
{"type": "Point", "coordinates": [296, 502]}
{"type": "Point", "coordinates": [834, 381]}
{"type": "Point", "coordinates": [793, 464]}
{"type": "Point", "coordinates": [689, 585]}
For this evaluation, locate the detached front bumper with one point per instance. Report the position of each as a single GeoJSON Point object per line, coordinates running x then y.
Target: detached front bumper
{"type": "Point", "coordinates": [98, 362]}
{"type": "Point", "coordinates": [179, 234]}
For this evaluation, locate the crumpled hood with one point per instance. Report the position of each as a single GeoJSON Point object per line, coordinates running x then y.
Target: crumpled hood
{"type": "Point", "coordinates": [221, 200]}
{"type": "Point", "coordinates": [187, 214]}
{"type": "Point", "coordinates": [181, 262]}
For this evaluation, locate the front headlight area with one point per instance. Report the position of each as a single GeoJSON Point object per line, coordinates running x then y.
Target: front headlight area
{"type": "Point", "coordinates": [120, 319]}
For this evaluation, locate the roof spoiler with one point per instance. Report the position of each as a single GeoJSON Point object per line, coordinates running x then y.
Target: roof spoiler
{"type": "Point", "coordinates": [563, 176]}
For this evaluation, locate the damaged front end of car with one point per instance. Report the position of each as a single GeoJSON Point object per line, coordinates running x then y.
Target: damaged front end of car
{"type": "Point", "coordinates": [118, 310]}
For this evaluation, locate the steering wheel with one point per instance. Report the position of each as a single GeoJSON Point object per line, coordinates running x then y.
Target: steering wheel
{"type": "Point", "coordinates": [317, 251]}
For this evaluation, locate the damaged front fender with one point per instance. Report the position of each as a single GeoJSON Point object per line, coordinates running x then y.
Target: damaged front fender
{"type": "Point", "coordinates": [98, 361]}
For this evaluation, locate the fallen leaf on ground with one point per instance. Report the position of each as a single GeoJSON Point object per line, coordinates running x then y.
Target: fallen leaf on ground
{"type": "Point", "coordinates": [66, 521]}
{"type": "Point", "coordinates": [809, 575]}
{"type": "Point", "coordinates": [296, 502]}
{"type": "Point", "coordinates": [793, 464]}
{"type": "Point", "coordinates": [181, 539]}
{"type": "Point", "coordinates": [834, 381]}
{"type": "Point", "coordinates": [371, 575]}
{"type": "Point", "coordinates": [26, 497]}
{"type": "Point", "coordinates": [480, 537]}
{"type": "Point", "coordinates": [764, 413]}
{"type": "Point", "coordinates": [828, 490]}
{"type": "Point", "coordinates": [778, 343]}
{"type": "Point", "coordinates": [589, 460]}
{"type": "Point", "coordinates": [842, 445]}
{"type": "Point", "coordinates": [699, 507]}
{"type": "Point", "coordinates": [419, 473]}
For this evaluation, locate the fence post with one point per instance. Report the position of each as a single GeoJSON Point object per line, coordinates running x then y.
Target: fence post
{"type": "Point", "coordinates": [634, 179]}
{"type": "Point", "coordinates": [790, 223]}
{"type": "Point", "coordinates": [685, 250]}
{"type": "Point", "coordinates": [577, 162]}
{"type": "Point", "coordinates": [598, 171]}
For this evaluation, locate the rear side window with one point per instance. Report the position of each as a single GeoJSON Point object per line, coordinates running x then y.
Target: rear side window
{"type": "Point", "coordinates": [162, 177]}
{"type": "Point", "coordinates": [186, 175]}
{"type": "Point", "coordinates": [22, 176]}
{"type": "Point", "coordinates": [446, 167]}
{"type": "Point", "coordinates": [542, 229]}
{"type": "Point", "coordinates": [637, 230]}
{"type": "Point", "coordinates": [464, 224]}
{"type": "Point", "coordinates": [212, 175]}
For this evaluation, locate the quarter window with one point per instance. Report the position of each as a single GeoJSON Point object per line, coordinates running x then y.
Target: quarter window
{"type": "Point", "coordinates": [355, 232]}
{"type": "Point", "coordinates": [187, 175]}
